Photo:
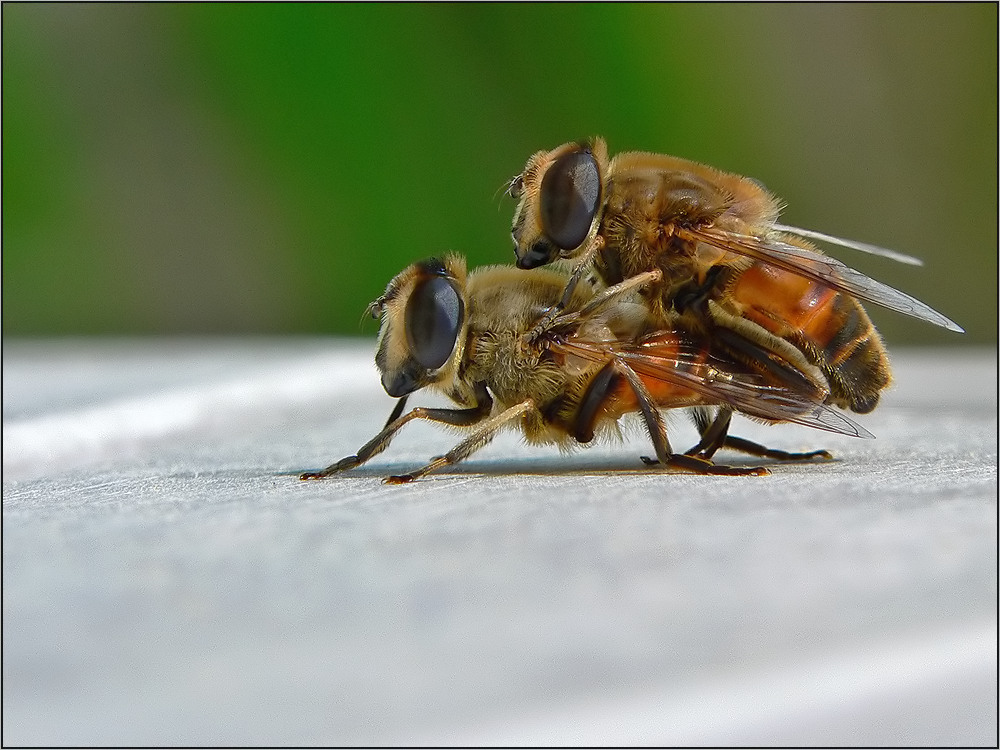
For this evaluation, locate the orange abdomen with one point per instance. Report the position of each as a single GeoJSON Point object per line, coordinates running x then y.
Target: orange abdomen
{"type": "Point", "coordinates": [781, 301]}
{"type": "Point", "coordinates": [609, 394]}
{"type": "Point", "coordinates": [832, 329]}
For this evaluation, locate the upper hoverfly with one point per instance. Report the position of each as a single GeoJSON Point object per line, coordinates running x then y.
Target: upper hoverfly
{"type": "Point", "coordinates": [604, 355]}
{"type": "Point", "coordinates": [729, 269]}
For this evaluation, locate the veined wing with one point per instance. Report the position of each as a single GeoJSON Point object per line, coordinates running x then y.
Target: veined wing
{"type": "Point", "coordinates": [684, 365]}
{"type": "Point", "coordinates": [820, 268]}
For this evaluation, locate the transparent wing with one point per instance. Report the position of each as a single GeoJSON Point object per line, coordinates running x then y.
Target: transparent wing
{"type": "Point", "coordinates": [864, 247]}
{"type": "Point", "coordinates": [683, 364]}
{"type": "Point", "coordinates": [820, 268]}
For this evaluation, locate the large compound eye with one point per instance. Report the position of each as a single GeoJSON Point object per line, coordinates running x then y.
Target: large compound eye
{"type": "Point", "coordinates": [570, 191]}
{"type": "Point", "coordinates": [434, 314]}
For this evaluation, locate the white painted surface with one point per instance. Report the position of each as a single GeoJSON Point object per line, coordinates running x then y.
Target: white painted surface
{"type": "Point", "coordinates": [168, 580]}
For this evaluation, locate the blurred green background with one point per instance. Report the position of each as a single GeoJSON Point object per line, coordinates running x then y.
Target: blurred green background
{"type": "Point", "coordinates": [263, 168]}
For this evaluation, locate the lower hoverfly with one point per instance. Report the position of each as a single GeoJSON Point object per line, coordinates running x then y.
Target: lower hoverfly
{"type": "Point", "coordinates": [470, 337]}
{"type": "Point", "coordinates": [728, 267]}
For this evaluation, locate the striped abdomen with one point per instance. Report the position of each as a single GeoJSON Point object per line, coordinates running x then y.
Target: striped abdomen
{"type": "Point", "coordinates": [832, 330]}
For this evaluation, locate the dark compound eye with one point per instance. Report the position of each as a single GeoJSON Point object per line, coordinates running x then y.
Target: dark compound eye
{"type": "Point", "coordinates": [570, 192]}
{"type": "Point", "coordinates": [434, 314]}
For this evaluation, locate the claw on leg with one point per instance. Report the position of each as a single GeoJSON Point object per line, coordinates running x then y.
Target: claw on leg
{"type": "Point", "coordinates": [399, 479]}
{"type": "Point", "coordinates": [342, 465]}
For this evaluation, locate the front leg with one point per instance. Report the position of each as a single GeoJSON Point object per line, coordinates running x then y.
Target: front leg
{"type": "Point", "coordinates": [601, 300]}
{"type": "Point", "coordinates": [471, 444]}
{"type": "Point", "coordinates": [584, 262]}
{"type": "Point", "coordinates": [457, 417]}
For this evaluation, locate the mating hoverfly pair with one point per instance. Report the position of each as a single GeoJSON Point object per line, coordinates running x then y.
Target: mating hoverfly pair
{"type": "Point", "coordinates": [680, 289]}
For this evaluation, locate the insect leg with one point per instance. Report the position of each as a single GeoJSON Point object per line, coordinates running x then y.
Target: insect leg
{"type": "Point", "coordinates": [650, 414]}
{"type": "Point", "coordinates": [658, 434]}
{"type": "Point", "coordinates": [584, 262]}
{"type": "Point", "coordinates": [756, 449]}
{"type": "Point", "coordinates": [612, 293]}
{"type": "Point", "coordinates": [713, 433]}
{"type": "Point", "coordinates": [765, 356]}
{"type": "Point", "coordinates": [483, 435]}
{"type": "Point", "coordinates": [694, 295]}
{"type": "Point", "coordinates": [714, 437]}
{"type": "Point", "coordinates": [457, 417]}
{"type": "Point", "coordinates": [397, 410]}
{"type": "Point", "coordinates": [606, 297]}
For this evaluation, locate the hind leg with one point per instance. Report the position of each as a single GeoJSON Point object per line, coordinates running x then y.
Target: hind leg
{"type": "Point", "coordinates": [756, 449]}
{"type": "Point", "coordinates": [658, 434]}
{"type": "Point", "coordinates": [714, 435]}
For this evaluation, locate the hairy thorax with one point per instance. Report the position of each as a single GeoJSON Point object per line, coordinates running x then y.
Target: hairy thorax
{"type": "Point", "coordinates": [514, 370]}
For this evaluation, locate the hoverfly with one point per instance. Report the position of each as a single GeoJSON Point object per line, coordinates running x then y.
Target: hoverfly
{"type": "Point", "coordinates": [728, 267]}
{"type": "Point", "coordinates": [603, 356]}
